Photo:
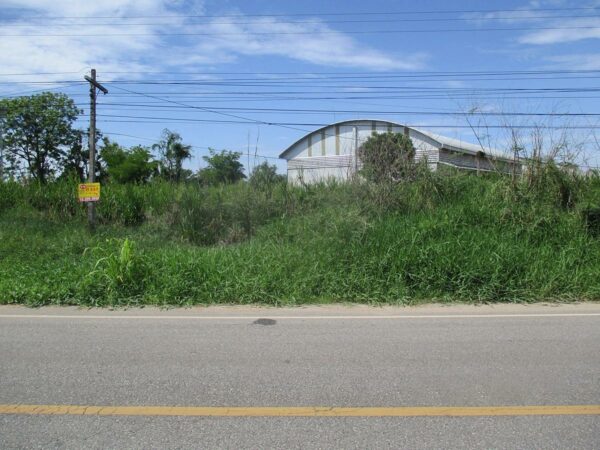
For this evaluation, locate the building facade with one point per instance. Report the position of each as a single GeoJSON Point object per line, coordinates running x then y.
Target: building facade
{"type": "Point", "coordinates": [331, 151]}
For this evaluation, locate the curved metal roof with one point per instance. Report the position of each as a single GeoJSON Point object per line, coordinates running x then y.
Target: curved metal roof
{"type": "Point", "coordinates": [443, 141]}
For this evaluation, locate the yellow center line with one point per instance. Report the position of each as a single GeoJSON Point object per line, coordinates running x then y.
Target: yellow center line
{"type": "Point", "coordinates": [308, 411]}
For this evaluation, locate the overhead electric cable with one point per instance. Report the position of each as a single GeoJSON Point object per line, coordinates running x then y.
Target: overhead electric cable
{"type": "Point", "coordinates": [315, 21]}
{"type": "Point", "coordinates": [315, 13]}
{"type": "Point", "coordinates": [371, 112]}
{"type": "Point", "coordinates": [217, 35]}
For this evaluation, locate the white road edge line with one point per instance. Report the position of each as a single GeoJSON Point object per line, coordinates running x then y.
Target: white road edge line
{"type": "Point", "coordinates": [275, 317]}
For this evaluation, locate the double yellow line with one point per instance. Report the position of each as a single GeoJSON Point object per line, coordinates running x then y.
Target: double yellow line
{"type": "Point", "coordinates": [284, 411]}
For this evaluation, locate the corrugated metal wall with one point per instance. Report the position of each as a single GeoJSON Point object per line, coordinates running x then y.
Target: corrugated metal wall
{"type": "Point", "coordinates": [474, 162]}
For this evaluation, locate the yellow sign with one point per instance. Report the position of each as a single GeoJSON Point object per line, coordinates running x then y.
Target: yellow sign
{"type": "Point", "coordinates": [88, 192]}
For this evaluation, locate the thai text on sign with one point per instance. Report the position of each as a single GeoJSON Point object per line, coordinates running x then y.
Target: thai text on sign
{"type": "Point", "coordinates": [88, 192]}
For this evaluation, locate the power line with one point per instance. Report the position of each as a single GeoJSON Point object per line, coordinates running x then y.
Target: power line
{"type": "Point", "coordinates": [427, 90]}
{"type": "Point", "coordinates": [193, 98]}
{"type": "Point", "coordinates": [15, 94]}
{"type": "Point", "coordinates": [294, 126]}
{"type": "Point", "coordinates": [363, 13]}
{"type": "Point", "coordinates": [141, 119]}
{"type": "Point", "coordinates": [372, 73]}
{"type": "Point", "coordinates": [203, 97]}
{"type": "Point", "coordinates": [399, 88]}
{"type": "Point", "coordinates": [312, 32]}
{"type": "Point", "coordinates": [356, 88]}
{"type": "Point", "coordinates": [310, 81]}
{"type": "Point", "coordinates": [206, 97]}
{"type": "Point", "coordinates": [328, 82]}
{"type": "Point", "coordinates": [341, 111]}
{"type": "Point", "coordinates": [38, 73]}
{"type": "Point", "coordinates": [339, 91]}
{"type": "Point", "coordinates": [342, 74]}
{"type": "Point", "coordinates": [42, 82]}
{"type": "Point", "coordinates": [316, 21]}
{"type": "Point", "coordinates": [235, 116]}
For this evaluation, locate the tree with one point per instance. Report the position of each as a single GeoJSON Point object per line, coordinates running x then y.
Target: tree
{"type": "Point", "coordinates": [265, 175]}
{"type": "Point", "coordinates": [224, 167]}
{"type": "Point", "coordinates": [134, 165]}
{"type": "Point", "coordinates": [173, 152]}
{"type": "Point", "coordinates": [38, 130]}
{"type": "Point", "coordinates": [75, 161]}
{"type": "Point", "coordinates": [387, 157]}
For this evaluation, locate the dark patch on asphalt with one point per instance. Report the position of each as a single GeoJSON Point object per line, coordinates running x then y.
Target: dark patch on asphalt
{"type": "Point", "coordinates": [264, 322]}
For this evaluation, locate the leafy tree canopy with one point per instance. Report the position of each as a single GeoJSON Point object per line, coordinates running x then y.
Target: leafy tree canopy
{"type": "Point", "coordinates": [224, 167]}
{"type": "Point", "coordinates": [38, 131]}
{"type": "Point", "coordinates": [134, 165]}
{"type": "Point", "coordinates": [75, 162]}
{"type": "Point", "coordinates": [265, 175]}
{"type": "Point", "coordinates": [387, 157]}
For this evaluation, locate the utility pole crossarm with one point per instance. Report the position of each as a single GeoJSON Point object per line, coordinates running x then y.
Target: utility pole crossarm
{"type": "Point", "coordinates": [96, 84]}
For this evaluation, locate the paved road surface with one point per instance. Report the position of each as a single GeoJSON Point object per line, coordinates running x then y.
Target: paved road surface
{"type": "Point", "coordinates": [331, 357]}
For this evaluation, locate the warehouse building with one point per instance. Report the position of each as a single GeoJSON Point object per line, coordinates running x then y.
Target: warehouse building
{"type": "Point", "coordinates": [330, 152]}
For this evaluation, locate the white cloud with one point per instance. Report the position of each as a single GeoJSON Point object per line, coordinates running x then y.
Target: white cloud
{"type": "Point", "coordinates": [554, 27]}
{"type": "Point", "coordinates": [528, 12]}
{"type": "Point", "coordinates": [23, 50]}
{"type": "Point", "coordinates": [78, 8]}
{"type": "Point", "coordinates": [312, 42]}
{"type": "Point", "coordinates": [151, 49]}
{"type": "Point", "coordinates": [510, 17]}
{"type": "Point", "coordinates": [564, 31]}
{"type": "Point", "coordinates": [578, 61]}
{"type": "Point", "coordinates": [335, 49]}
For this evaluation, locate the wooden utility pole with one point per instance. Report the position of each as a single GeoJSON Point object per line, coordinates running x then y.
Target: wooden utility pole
{"type": "Point", "coordinates": [92, 141]}
{"type": "Point", "coordinates": [1, 146]}
{"type": "Point", "coordinates": [2, 131]}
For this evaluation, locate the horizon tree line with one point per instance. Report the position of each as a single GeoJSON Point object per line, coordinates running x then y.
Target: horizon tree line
{"type": "Point", "coordinates": [39, 142]}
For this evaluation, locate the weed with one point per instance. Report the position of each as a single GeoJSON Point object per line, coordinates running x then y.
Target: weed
{"type": "Point", "coordinates": [119, 272]}
{"type": "Point", "coordinates": [452, 237]}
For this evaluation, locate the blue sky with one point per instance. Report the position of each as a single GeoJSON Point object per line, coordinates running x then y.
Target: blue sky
{"type": "Point", "coordinates": [311, 63]}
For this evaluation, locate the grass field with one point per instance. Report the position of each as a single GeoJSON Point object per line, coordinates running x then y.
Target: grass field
{"type": "Point", "coordinates": [441, 237]}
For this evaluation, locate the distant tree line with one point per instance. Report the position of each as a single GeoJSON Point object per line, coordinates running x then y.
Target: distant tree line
{"type": "Point", "coordinates": [41, 143]}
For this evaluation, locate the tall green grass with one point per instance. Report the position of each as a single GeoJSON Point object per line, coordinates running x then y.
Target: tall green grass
{"type": "Point", "coordinates": [445, 238]}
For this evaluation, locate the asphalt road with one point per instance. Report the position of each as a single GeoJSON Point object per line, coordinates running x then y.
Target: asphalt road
{"type": "Point", "coordinates": [457, 357]}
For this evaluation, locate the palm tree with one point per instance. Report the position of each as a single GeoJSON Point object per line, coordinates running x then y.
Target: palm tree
{"type": "Point", "coordinates": [179, 152]}
{"type": "Point", "coordinates": [173, 152]}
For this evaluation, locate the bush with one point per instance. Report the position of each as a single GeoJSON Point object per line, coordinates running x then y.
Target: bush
{"type": "Point", "coordinates": [265, 177]}
{"type": "Point", "coordinates": [387, 157]}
